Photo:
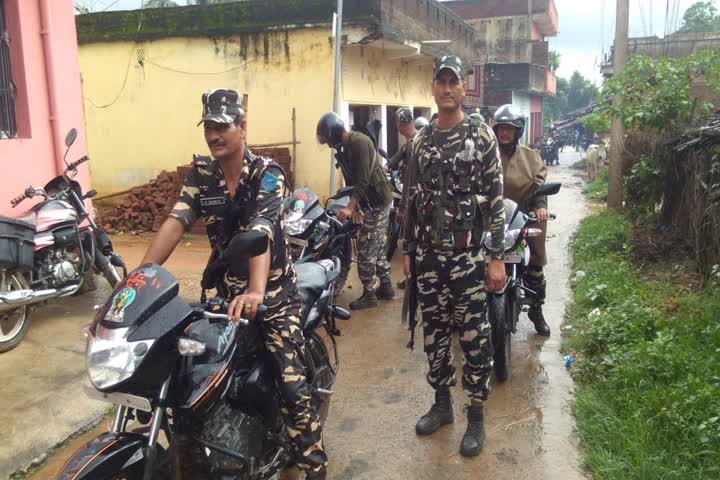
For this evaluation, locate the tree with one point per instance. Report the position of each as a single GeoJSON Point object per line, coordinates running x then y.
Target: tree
{"type": "Point", "coordinates": [701, 17]}
{"type": "Point", "coordinates": [553, 60]}
{"type": "Point", "coordinates": [573, 94]}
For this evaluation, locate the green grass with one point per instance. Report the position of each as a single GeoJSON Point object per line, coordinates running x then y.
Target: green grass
{"type": "Point", "coordinates": [580, 164]}
{"type": "Point", "coordinates": [647, 363]}
{"type": "Point", "coordinates": [597, 190]}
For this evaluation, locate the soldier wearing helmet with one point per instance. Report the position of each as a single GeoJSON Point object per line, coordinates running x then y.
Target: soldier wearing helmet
{"type": "Point", "coordinates": [369, 205]}
{"type": "Point", "coordinates": [523, 173]}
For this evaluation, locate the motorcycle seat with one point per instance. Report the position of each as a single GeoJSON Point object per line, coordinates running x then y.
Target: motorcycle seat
{"type": "Point", "coordinates": [30, 218]}
{"type": "Point", "coordinates": [312, 278]}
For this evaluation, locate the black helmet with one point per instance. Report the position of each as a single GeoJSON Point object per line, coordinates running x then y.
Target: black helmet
{"type": "Point", "coordinates": [509, 115]}
{"type": "Point", "coordinates": [330, 129]}
{"type": "Point", "coordinates": [421, 122]}
{"type": "Point", "coordinates": [404, 115]}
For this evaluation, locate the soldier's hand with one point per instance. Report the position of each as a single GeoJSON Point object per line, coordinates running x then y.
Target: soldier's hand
{"type": "Point", "coordinates": [406, 266]}
{"type": "Point", "coordinates": [496, 276]}
{"type": "Point", "coordinates": [344, 213]}
{"type": "Point", "coordinates": [246, 304]}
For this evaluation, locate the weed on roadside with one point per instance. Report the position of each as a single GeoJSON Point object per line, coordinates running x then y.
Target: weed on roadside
{"type": "Point", "coordinates": [648, 386]}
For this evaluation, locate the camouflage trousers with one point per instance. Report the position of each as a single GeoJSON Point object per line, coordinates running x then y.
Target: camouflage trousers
{"type": "Point", "coordinates": [535, 280]}
{"type": "Point", "coordinates": [371, 248]}
{"type": "Point", "coordinates": [285, 343]}
{"type": "Point", "coordinates": [451, 293]}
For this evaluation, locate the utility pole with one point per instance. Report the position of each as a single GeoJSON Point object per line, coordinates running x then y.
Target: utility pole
{"type": "Point", "coordinates": [617, 131]}
{"type": "Point", "coordinates": [336, 90]}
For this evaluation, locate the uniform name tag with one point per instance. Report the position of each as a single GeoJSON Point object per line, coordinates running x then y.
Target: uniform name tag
{"type": "Point", "coordinates": [212, 201]}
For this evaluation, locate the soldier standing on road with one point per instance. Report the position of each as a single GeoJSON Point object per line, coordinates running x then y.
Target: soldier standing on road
{"type": "Point", "coordinates": [455, 181]}
{"type": "Point", "coordinates": [369, 205]}
{"type": "Point", "coordinates": [235, 191]}
{"type": "Point", "coordinates": [523, 172]}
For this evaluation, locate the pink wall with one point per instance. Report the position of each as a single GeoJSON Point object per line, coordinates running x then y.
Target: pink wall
{"type": "Point", "coordinates": [30, 159]}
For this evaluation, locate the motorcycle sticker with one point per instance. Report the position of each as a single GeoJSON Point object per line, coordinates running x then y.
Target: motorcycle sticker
{"type": "Point", "coordinates": [122, 300]}
{"type": "Point", "coordinates": [299, 205]}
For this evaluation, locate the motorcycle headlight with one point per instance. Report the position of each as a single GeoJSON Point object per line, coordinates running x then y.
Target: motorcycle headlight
{"type": "Point", "coordinates": [297, 227]}
{"type": "Point", "coordinates": [110, 358]}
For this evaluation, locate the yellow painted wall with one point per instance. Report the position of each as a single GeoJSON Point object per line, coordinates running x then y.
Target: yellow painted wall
{"type": "Point", "coordinates": [151, 125]}
{"type": "Point", "coordinates": [371, 77]}
{"type": "Point", "coordinates": [142, 124]}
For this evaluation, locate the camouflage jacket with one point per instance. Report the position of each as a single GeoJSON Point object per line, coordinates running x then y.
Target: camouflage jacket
{"type": "Point", "coordinates": [257, 205]}
{"type": "Point", "coordinates": [454, 184]}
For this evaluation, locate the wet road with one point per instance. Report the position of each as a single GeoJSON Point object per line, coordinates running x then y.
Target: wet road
{"type": "Point", "coordinates": [381, 389]}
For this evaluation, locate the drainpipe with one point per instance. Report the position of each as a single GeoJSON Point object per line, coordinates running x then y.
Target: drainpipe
{"type": "Point", "coordinates": [56, 135]}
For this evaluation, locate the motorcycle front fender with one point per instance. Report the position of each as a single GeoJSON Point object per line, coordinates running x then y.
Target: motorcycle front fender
{"type": "Point", "coordinates": [107, 456]}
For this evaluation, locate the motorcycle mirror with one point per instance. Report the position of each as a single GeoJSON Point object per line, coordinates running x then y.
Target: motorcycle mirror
{"type": "Point", "coordinates": [70, 137]}
{"type": "Point", "coordinates": [90, 194]}
{"type": "Point", "coordinates": [343, 192]}
{"type": "Point", "coordinates": [549, 188]}
{"type": "Point", "coordinates": [242, 248]}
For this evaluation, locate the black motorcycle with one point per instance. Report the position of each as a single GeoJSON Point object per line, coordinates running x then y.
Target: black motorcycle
{"type": "Point", "coordinates": [189, 373]}
{"type": "Point", "coordinates": [52, 251]}
{"type": "Point", "coordinates": [504, 307]}
{"type": "Point", "coordinates": [315, 233]}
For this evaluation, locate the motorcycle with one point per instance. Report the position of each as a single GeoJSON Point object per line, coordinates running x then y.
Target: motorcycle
{"type": "Point", "coordinates": [550, 153]}
{"type": "Point", "coordinates": [190, 373]}
{"type": "Point", "coordinates": [504, 307]}
{"type": "Point", "coordinates": [315, 233]}
{"type": "Point", "coordinates": [47, 254]}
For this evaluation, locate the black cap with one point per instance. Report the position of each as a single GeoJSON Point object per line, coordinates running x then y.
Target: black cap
{"type": "Point", "coordinates": [451, 62]}
{"type": "Point", "coordinates": [221, 105]}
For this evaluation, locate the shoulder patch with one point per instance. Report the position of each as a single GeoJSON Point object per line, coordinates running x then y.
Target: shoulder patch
{"type": "Point", "coordinates": [269, 181]}
{"type": "Point", "coordinates": [201, 161]}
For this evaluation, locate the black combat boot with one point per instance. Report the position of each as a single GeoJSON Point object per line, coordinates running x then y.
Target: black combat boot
{"type": "Point", "coordinates": [536, 316]}
{"type": "Point", "coordinates": [401, 284]}
{"type": "Point", "coordinates": [367, 300]}
{"type": "Point", "coordinates": [440, 413]}
{"type": "Point", "coordinates": [474, 438]}
{"type": "Point", "coordinates": [386, 291]}
{"type": "Point", "coordinates": [315, 475]}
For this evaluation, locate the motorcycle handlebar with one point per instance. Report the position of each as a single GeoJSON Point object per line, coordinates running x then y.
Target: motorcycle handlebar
{"type": "Point", "coordinates": [223, 307]}
{"type": "Point", "coordinates": [77, 163]}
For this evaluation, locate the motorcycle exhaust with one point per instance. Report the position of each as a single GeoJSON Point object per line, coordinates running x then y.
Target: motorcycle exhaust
{"type": "Point", "coordinates": [19, 298]}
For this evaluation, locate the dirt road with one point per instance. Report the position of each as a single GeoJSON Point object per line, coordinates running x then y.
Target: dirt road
{"type": "Point", "coordinates": [381, 389]}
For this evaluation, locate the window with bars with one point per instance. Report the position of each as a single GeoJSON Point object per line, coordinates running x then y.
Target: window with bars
{"type": "Point", "coordinates": [8, 124]}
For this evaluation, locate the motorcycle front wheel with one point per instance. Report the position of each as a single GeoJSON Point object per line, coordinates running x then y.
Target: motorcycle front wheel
{"type": "Point", "coordinates": [499, 311]}
{"type": "Point", "coordinates": [14, 323]}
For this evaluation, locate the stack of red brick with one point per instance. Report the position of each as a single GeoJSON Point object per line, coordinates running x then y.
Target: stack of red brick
{"type": "Point", "coordinates": [146, 206]}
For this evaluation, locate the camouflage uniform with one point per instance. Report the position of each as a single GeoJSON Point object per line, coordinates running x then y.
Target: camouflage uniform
{"type": "Point", "coordinates": [454, 183]}
{"type": "Point", "coordinates": [257, 205]}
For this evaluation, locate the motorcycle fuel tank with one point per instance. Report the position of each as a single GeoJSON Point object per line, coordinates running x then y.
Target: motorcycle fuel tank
{"type": "Point", "coordinates": [54, 213]}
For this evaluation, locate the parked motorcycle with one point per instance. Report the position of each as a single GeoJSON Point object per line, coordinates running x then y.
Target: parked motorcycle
{"type": "Point", "coordinates": [51, 251]}
{"type": "Point", "coordinates": [504, 307]}
{"type": "Point", "coordinates": [190, 373]}
{"type": "Point", "coordinates": [550, 152]}
{"type": "Point", "coordinates": [315, 233]}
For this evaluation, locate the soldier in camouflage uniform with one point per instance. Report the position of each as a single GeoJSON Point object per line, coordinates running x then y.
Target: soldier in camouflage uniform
{"type": "Point", "coordinates": [455, 187]}
{"type": "Point", "coordinates": [236, 191]}
{"type": "Point", "coordinates": [369, 205]}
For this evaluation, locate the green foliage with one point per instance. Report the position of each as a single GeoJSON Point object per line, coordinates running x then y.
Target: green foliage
{"type": "Point", "coordinates": [655, 93]}
{"type": "Point", "coordinates": [580, 164]}
{"type": "Point", "coordinates": [554, 60]}
{"type": "Point", "coordinates": [573, 94]}
{"type": "Point", "coordinates": [648, 389]}
{"type": "Point", "coordinates": [597, 190]}
{"type": "Point", "coordinates": [644, 186]}
{"type": "Point", "coordinates": [701, 17]}
{"type": "Point", "coordinates": [598, 122]}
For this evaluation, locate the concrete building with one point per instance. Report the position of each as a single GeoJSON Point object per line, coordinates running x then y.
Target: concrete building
{"type": "Point", "coordinates": [675, 45]}
{"type": "Point", "coordinates": [144, 71]}
{"type": "Point", "coordinates": [40, 95]}
{"type": "Point", "coordinates": [511, 55]}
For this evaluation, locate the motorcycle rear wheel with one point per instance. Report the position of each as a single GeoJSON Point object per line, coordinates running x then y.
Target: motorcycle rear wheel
{"type": "Point", "coordinates": [15, 323]}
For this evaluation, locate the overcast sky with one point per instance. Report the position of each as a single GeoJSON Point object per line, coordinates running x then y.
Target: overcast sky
{"type": "Point", "coordinates": [584, 29]}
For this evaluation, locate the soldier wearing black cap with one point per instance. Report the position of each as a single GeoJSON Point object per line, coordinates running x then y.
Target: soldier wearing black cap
{"type": "Point", "coordinates": [455, 187]}
{"type": "Point", "coordinates": [234, 190]}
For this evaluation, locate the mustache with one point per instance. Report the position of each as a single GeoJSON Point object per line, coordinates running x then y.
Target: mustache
{"type": "Point", "coordinates": [216, 143]}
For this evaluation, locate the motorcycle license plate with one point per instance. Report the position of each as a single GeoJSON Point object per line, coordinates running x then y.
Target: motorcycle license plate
{"type": "Point", "coordinates": [122, 399]}
{"type": "Point", "coordinates": [298, 241]}
{"type": "Point", "coordinates": [513, 258]}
